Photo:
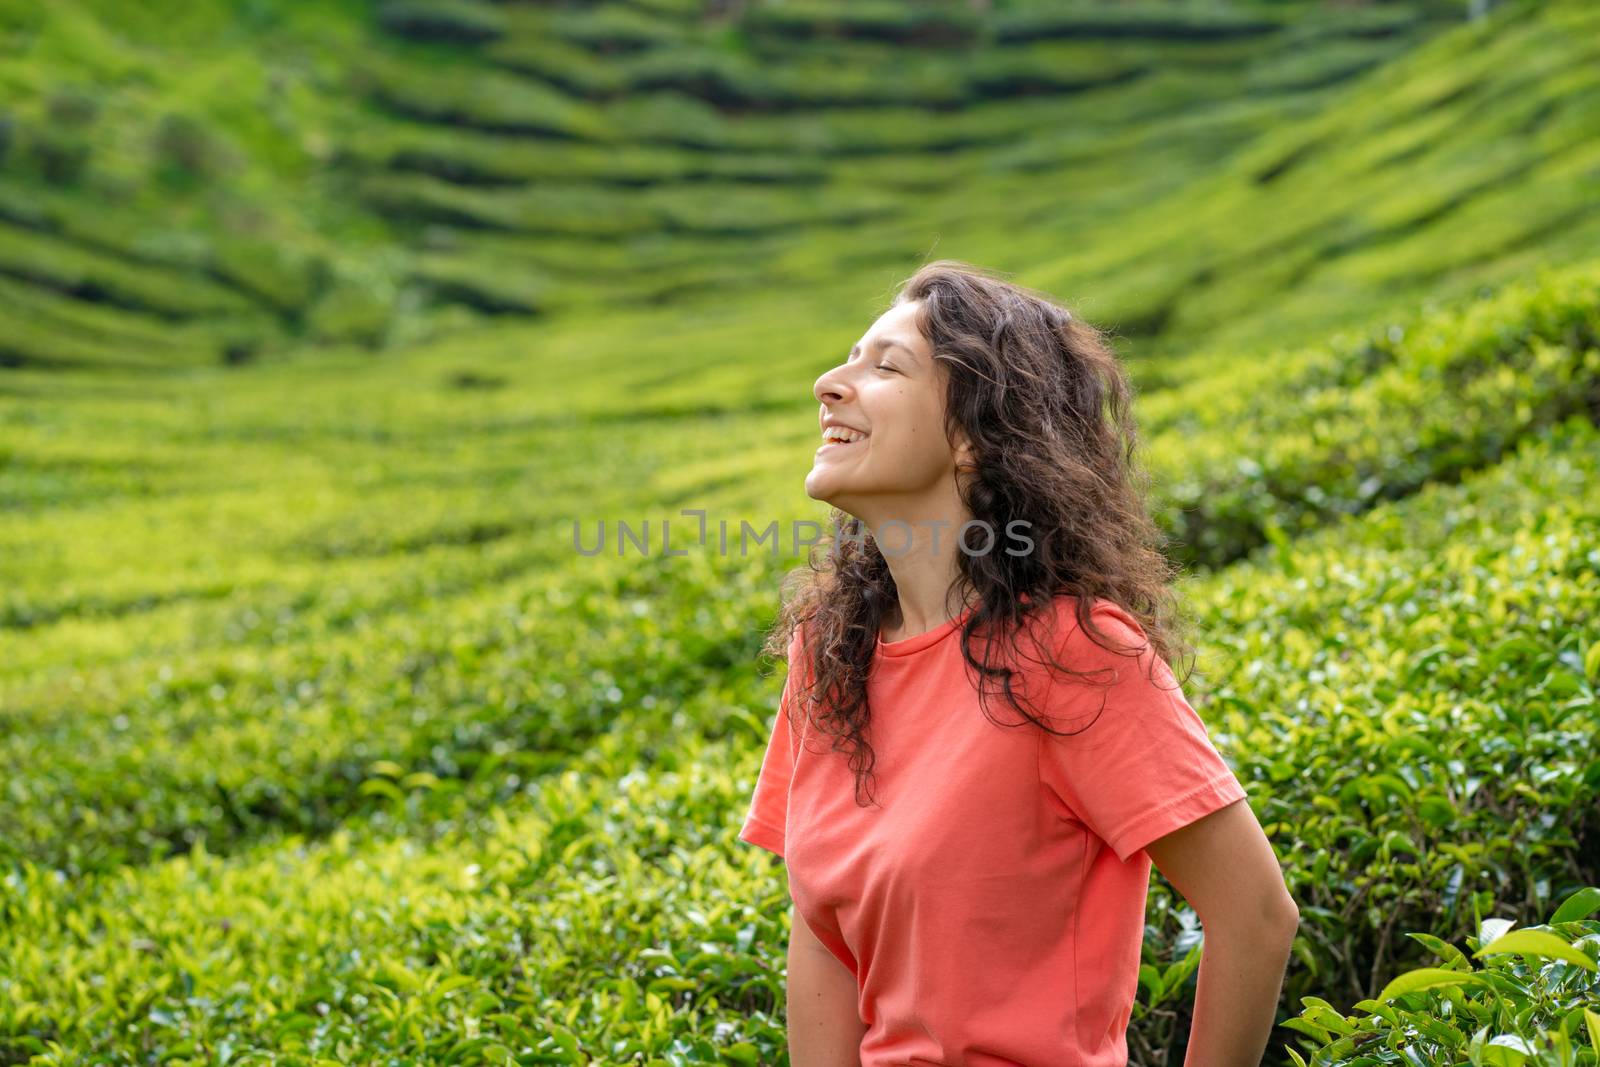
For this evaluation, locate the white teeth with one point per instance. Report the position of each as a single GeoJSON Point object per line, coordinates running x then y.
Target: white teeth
{"type": "Point", "coordinates": [839, 434]}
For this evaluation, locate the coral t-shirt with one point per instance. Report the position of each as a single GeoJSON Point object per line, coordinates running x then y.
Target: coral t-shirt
{"type": "Point", "coordinates": [991, 905]}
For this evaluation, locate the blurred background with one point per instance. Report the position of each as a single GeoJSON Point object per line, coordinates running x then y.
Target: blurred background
{"type": "Point", "coordinates": [323, 324]}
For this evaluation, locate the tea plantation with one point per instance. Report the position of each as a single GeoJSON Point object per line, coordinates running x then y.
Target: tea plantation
{"type": "Point", "coordinates": [325, 328]}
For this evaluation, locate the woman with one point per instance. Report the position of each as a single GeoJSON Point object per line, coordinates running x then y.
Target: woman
{"type": "Point", "coordinates": [968, 891]}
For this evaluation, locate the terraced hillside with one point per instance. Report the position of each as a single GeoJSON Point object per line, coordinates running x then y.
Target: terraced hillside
{"type": "Point", "coordinates": [320, 743]}
{"type": "Point", "coordinates": [187, 184]}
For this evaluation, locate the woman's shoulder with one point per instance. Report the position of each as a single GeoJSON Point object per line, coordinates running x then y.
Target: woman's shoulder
{"type": "Point", "coordinates": [1105, 615]}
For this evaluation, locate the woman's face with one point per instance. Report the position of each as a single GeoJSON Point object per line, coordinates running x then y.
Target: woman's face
{"type": "Point", "coordinates": [892, 390]}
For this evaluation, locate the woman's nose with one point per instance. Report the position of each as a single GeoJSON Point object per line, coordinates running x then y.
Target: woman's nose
{"type": "Point", "coordinates": [830, 387]}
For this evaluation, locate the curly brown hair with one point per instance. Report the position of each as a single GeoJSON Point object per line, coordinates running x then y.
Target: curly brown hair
{"type": "Point", "coordinates": [1048, 409]}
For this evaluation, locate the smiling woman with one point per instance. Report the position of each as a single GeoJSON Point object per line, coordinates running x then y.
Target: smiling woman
{"type": "Point", "coordinates": [887, 402]}
{"type": "Point", "coordinates": [986, 906]}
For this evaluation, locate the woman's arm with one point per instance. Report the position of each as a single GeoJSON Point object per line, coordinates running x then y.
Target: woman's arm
{"type": "Point", "coordinates": [825, 1028]}
{"type": "Point", "coordinates": [1225, 868]}
{"type": "Point", "coordinates": [1241, 978]}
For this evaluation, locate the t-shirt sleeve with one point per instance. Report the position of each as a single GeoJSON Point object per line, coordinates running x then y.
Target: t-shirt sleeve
{"type": "Point", "coordinates": [767, 819]}
{"type": "Point", "coordinates": [1146, 766]}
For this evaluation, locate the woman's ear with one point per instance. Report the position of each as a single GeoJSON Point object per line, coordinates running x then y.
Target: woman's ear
{"type": "Point", "coordinates": [966, 456]}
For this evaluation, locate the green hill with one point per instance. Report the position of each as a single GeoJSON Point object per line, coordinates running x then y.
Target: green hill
{"type": "Point", "coordinates": [193, 184]}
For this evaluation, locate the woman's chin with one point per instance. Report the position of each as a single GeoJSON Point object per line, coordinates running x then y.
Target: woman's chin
{"type": "Point", "coordinates": [822, 486]}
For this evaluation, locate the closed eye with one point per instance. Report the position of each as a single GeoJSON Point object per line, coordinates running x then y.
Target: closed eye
{"type": "Point", "coordinates": [885, 366]}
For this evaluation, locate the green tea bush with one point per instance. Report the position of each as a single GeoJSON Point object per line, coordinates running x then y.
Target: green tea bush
{"type": "Point", "coordinates": [612, 28]}
{"type": "Point", "coordinates": [531, 49]}
{"type": "Point", "coordinates": [429, 697]}
{"type": "Point", "coordinates": [729, 82]}
{"type": "Point", "coordinates": [281, 275]}
{"type": "Point", "coordinates": [44, 329]}
{"type": "Point", "coordinates": [604, 918]}
{"type": "Point", "coordinates": [472, 281]}
{"type": "Point", "coordinates": [1534, 1003]}
{"type": "Point", "coordinates": [1410, 700]}
{"type": "Point", "coordinates": [577, 209]}
{"type": "Point", "coordinates": [933, 25]}
{"type": "Point", "coordinates": [101, 277]}
{"type": "Point", "coordinates": [1258, 456]}
{"type": "Point", "coordinates": [355, 306]}
{"type": "Point", "coordinates": [1159, 21]}
{"type": "Point", "coordinates": [60, 141]}
{"type": "Point", "coordinates": [464, 21]}
{"type": "Point", "coordinates": [186, 150]}
{"type": "Point", "coordinates": [474, 157]}
{"type": "Point", "coordinates": [473, 95]}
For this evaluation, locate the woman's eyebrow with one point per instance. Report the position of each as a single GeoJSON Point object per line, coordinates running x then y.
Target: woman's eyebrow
{"type": "Point", "coordinates": [884, 342]}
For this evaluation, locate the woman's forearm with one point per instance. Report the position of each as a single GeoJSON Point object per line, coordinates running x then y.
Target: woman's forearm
{"type": "Point", "coordinates": [825, 1027]}
{"type": "Point", "coordinates": [1236, 1001]}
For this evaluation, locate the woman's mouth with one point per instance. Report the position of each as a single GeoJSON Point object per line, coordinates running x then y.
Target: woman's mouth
{"type": "Point", "coordinates": [832, 445]}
